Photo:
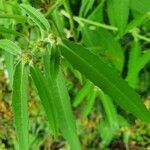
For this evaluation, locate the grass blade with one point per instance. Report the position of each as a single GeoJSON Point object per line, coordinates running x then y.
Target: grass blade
{"type": "Point", "coordinates": [105, 77]}
{"type": "Point", "coordinates": [19, 104]}
{"type": "Point", "coordinates": [10, 47]}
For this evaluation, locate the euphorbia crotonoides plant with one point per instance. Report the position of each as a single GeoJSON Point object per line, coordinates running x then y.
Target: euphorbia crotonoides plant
{"type": "Point", "coordinates": [41, 59]}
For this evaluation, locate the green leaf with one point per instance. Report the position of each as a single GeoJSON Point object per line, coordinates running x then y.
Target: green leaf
{"type": "Point", "coordinates": [46, 98]}
{"type": "Point", "coordinates": [60, 97]}
{"type": "Point", "coordinates": [136, 63]}
{"type": "Point", "coordinates": [4, 30]}
{"type": "Point", "coordinates": [65, 116]}
{"type": "Point", "coordinates": [143, 60]}
{"type": "Point", "coordinates": [110, 110]}
{"type": "Point", "coordinates": [102, 42]}
{"type": "Point", "coordinates": [90, 100]}
{"type": "Point", "coordinates": [19, 104]}
{"type": "Point", "coordinates": [58, 22]}
{"type": "Point", "coordinates": [123, 121]}
{"type": "Point", "coordinates": [15, 17]}
{"type": "Point", "coordinates": [97, 14]}
{"type": "Point", "coordinates": [54, 61]}
{"type": "Point", "coordinates": [118, 12]}
{"type": "Point", "coordinates": [135, 54]}
{"type": "Point", "coordinates": [140, 6]}
{"type": "Point", "coordinates": [85, 7]}
{"type": "Point", "coordinates": [10, 47]}
{"type": "Point", "coordinates": [106, 133]}
{"type": "Point", "coordinates": [82, 93]}
{"type": "Point", "coordinates": [139, 20]}
{"type": "Point", "coordinates": [105, 77]}
{"type": "Point", "coordinates": [37, 17]}
{"type": "Point", "coordinates": [9, 61]}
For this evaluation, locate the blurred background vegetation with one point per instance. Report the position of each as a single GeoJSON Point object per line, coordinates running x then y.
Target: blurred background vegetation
{"type": "Point", "coordinates": [90, 110]}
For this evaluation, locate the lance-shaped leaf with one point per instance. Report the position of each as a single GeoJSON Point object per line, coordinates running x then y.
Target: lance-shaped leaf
{"type": "Point", "coordinates": [139, 20]}
{"type": "Point", "coordinates": [46, 98]}
{"type": "Point", "coordinates": [36, 16]}
{"type": "Point", "coordinates": [85, 7]}
{"type": "Point", "coordinates": [9, 61]}
{"type": "Point", "coordinates": [60, 97]}
{"type": "Point", "coordinates": [82, 93]}
{"type": "Point", "coordinates": [106, 132]}
{"type": "Point", "coordinates": [118, 11]}
{"type": "Point", "coordinates": [19, 104]}
{"type": "Point", "coordinates": [105, 77]}
{"type": "Point", "coordinates": [65, 116]}
{"type": "Point", "coordinates": [101, 41]}
{"type": "Point", "coordinates": [10, 47]}
{"type": "Point", "coordinates": [4, 30]}
{"type": "Point", "coordinates": [110, 110]}
{"type": "Point", "coordinates": [15, 17]}
{"type": "Point", "coordinates": [133, 70]}
{"type": "Point", "coordinates": [90, 101]}
{"type": "Point", "coordinates": [140, 6]}
{"type": "Point", "coordinates": [136, 63]}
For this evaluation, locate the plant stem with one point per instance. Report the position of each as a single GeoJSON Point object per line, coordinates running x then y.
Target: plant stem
{"type": "Point", "coordinates": [81, 21]}
{"type": "Point", "coordinates": [142, 37]}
